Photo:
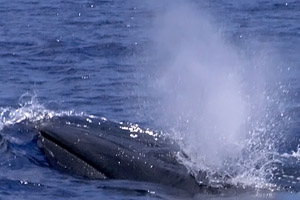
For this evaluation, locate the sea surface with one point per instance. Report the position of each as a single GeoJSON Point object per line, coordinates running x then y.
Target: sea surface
{"type": "Point", "coordinates": [221, 77]}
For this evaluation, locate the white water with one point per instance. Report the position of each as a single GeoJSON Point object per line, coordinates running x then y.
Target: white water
{"type": "Point", "coordinates": [29, 109]}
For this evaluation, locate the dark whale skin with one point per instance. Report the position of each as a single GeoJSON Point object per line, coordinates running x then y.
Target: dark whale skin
{"type": "Point", "coordinates": [99, 149]}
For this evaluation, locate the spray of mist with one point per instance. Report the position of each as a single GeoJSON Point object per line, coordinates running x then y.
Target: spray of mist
{"type": "Point", "coordinates": [200, 84]}
{"type": "Point", "coordinates": [208, 96]}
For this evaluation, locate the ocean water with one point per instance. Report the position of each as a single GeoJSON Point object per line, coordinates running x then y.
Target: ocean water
{"type": "Point", "coordinates": [222, 78]}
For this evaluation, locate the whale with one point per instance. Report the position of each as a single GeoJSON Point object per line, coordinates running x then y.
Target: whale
{"type": "Point", "coordinates": [99, 149]}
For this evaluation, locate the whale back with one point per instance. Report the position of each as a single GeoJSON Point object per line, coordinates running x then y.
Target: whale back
{"type": "Point", "coordinates": [99, 149]}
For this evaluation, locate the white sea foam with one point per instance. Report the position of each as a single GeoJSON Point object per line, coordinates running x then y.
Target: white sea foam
{"type": "Point", "coordinates": [29, 109]}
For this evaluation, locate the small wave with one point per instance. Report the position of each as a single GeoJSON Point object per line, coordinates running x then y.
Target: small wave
{"type": "Point", "coordinates": [30, 109]}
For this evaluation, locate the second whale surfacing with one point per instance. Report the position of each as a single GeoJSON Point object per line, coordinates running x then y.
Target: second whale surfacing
{"type": "Point", "coordinates": [99, 149]}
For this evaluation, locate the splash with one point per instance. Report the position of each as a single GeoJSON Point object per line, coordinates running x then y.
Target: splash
{"type": "Point", "coordinates": [216, 104]}
{"type": "Point", "coordinates": [294, 154]}
{"type": "Point", "coordinates": [29, 109]}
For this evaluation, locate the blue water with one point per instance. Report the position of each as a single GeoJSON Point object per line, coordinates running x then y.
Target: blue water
{"type": "Point", "coordinates": [138, 61]}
